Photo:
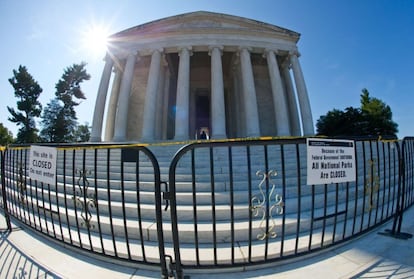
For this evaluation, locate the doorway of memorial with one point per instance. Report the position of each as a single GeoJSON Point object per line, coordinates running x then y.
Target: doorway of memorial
{"type": "Point", "coordinates": [202, 116]}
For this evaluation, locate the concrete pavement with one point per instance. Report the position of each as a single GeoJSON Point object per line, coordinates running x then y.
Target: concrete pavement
{"type": "Point", "coordinates": [24, 254]}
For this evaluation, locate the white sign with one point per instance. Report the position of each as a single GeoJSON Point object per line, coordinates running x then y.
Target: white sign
{"type": "Point", "coordinates": [330, 161]}
{"type": "Point", "coordinates": [42, 165]}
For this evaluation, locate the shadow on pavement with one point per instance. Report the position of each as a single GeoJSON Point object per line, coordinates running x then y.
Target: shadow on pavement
{"type": "Point", "coordinates": [15, 264]}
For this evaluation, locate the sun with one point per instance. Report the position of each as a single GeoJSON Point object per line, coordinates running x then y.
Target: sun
{"type": "Point", "coordinates": [94, 39]}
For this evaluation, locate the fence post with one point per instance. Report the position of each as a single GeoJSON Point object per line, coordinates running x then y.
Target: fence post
{"type": "Point", "coordinates": [3, 188]}
{"type": "Point", "coordinates": [399, 212]}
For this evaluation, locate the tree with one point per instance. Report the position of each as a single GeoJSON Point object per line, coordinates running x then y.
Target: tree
{"type": "Point", "coordinates": [53, 122]}
{"type": "Point", "coordinates": [341, 123]}
{"type": "Point", "coordinates": [378, 116]}
{"type": "Point", "coordinates": [27, 90]}
{"type": "Point", "coordinates": [59, 120]}
{"type": "Point", "coordinates": [6, 136]}
{"type": "Point", "coordinates": [82, 133]}
{"type": "Point", "coordinates": [69, 85]}
{"type": "Point", "coordinates": [373, 118]}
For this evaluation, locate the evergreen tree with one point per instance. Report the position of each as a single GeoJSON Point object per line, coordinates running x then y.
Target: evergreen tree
{"type": "Point", "coordinates": [59, 120]}
{"type": "Point", "coordinates": [53, 123]}
{"type": "Point", "coordinates": [6, 136]}
{"type": "Point", "coordinates": [374, 118]}
{"type": "Point", "coordinates": [27, 90]}
{"type": "Point", "coordinates": [82, 133]}
{"type": "Point", "coordinates": [378, 116]}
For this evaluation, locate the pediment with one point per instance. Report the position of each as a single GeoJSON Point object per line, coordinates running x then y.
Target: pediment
{"type": "Point", "coordinates": [203, 22]}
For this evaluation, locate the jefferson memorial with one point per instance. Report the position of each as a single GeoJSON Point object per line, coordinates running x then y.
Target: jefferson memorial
{"type": "Point", "coordinates": [226, 76]}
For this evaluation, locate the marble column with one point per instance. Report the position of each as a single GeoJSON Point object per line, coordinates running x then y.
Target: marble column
{"type": "Point", "coordinates": [150, 108]}
{"type": "Point", "coordinates": [218, 112]}
{"type": "Point", "coordinates": [237, 123]}
{"type": "Point", "coordinates": [279, 100]}
{"type": "Point", "coordinates": [165, 102]}
{"type": "Point", "coordinates": [249, 92]}
{"type": "Point", "coordinates": [183, 95]}
{"type": "Point", "coordinates": [161, 105]}
{"type": "Point", "coordinates": [295, 129]}
{"type": "Point", "coordinates": [303, 99]}
{"type": "Point", "coordinates": [98, 114]}
{"type": "Point", "coordinates": [121, 119]}
{"type": "Point", "coordinates": [113, 103]}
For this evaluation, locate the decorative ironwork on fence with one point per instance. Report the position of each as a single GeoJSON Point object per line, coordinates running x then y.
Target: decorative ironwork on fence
{"type": "Point", "coordinates": [262, 206]}
{"type": "Point", "coordinates": [225, 204]}
{"type": "Point", "coordinates": [83, 198]}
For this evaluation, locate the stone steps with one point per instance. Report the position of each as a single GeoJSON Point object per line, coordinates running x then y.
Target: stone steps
{"type": "Point", "coordinates": [203, 197]}
{"type": "Point", "coordinates": [111, 215]}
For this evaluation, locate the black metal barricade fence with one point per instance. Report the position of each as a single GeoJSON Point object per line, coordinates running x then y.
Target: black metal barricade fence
{"type": "Point", "coordinates": [406, 188]}
{"type": "Point", "coordinates": [408, 174]}
{"type": "Point", "coordinates": [250, 203]}
{"type": "Point", "coordinates": [3, 200]}
{"type": "Point", "coordinates": [226, 204]}
{"type": "Point", "coordinates": [106, 200]}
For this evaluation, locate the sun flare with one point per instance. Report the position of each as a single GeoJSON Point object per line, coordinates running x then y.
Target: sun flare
{"type": "Point", "coordinates": [94, 39]}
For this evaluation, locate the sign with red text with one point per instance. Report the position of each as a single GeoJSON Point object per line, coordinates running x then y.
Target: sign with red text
{"type": "Point", "coordinates": [42, 164]}
{"type": "Point", "coordinates": [330, 161]}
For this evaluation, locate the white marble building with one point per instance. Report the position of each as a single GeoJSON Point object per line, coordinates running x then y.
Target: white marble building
{"type": "Point", "coordinates": [171, 78]}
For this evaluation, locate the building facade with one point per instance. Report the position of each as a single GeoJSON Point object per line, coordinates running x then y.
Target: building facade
{"type": "Point", "coordinates": [173, 78]}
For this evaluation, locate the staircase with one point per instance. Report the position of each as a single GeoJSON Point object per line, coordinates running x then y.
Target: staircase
{"type": "Point", "coordinates": [104, 201]}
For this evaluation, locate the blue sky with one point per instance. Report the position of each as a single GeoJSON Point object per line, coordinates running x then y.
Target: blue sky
{"type": "Point", "coordinates": [345, 45]}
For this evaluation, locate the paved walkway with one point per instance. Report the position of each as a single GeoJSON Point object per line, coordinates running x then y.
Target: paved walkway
{"type": "Point", "coordinates": [25, 255]}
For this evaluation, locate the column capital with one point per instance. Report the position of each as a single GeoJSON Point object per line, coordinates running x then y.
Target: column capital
{"type": "Point", "coordinates": [107, 58]}
{"type": "Point", "coordinates": [132, 54]}
{"type": "Point", "coordinates": [160, 50]}
{"type": "Point", "coordinates": [286, 62]}
{"type": "Point", "coordinates": [164, 60]}
{"type": "Point", "coordinates": [242, 49]}
{"type": "Point", "coordinates": [118, 65]}
{"type": "Point", "coordinates": [212, 47]}
{"type": "Point", "coordinates": [185, 48]}
{"type": "Point", "coordinates": [294, 53]}
{"type": "Point", "coordinates": [268, 51]}
{"type": "Point", "coordinates": [249, 49]}
{"type": "Point", "coordinates": [126, 53]}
